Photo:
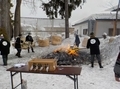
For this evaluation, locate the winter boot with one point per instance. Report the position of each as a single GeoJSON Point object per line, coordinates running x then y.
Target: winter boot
{"type": "Point", "coordinates": [32, 49]}
{"type": "Point", "coordinates": [28, 50]}
{"type": "Point", "coordinates": [16, 54]}
{"type": "Point", "coordinates": [92, 64]}
{"type": "Point", "coordinates": [100, 65]}
{"type": "Point", "coordinates": [19, 56]}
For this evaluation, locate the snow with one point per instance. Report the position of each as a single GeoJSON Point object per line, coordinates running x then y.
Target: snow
{"type": "Point", "coordinates": [90, 78]}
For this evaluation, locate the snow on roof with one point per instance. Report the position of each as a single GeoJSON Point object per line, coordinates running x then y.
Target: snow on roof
{"type": "Point", "coordinates": [100, 16]}
{"type": "Point", "coordinates": [112, 8]}
{"type": "Point", "coordinates": [109, 13]}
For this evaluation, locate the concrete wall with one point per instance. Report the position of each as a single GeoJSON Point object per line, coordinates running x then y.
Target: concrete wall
{"type": "Point", "coordinates": [103, 26]}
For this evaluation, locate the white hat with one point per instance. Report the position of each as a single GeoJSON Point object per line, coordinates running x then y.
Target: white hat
{"type": "Point", "coordinates": [1, 35]}
{"type": "Point", "coordinates": [105, 34]}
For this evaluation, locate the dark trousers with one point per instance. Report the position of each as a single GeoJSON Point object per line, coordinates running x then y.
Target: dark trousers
{"type": "Point", "coordinates": [5, 58]}
{"type": "Point", "coordinates": [18, 52]}
{"type": "Point", "coordinates": [93, 58]}
{"type": "Point", "coordinates": [98, 58]}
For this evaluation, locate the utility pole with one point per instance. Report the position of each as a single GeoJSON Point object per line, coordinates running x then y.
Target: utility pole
{"type": "Point", "coordinates": [115, 24]}
{"type": "Point", "coordinates": [66, 20]}
{"type": "Point", "coordinates": [0, 11]}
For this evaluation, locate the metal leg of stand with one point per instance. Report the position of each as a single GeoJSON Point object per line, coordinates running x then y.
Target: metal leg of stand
{"type": "Point", "coordinates": [21, 79]}
{"type": "Point", "coordinates": [75, 79]}
{"type": "Point", "coordinates": [12, 74]}
{"type": "Point", "coordinates": [11, 80]}
{"type": "Point", "coordinates": [75, 82]}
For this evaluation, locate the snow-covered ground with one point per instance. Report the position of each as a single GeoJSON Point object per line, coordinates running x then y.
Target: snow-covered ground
{"type": "Point", "coordinates": [90, 78]}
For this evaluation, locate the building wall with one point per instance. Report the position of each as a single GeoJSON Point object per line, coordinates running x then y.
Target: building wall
{"type": "Point", "coordinates": [103, 26]}
{"type": "Point", "coordinates": [80, 28]}
{"type": "Point", "coordinates": [100, 27]}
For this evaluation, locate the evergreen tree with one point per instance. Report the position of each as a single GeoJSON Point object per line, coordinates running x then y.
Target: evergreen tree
{"type": "Point", "coordinates": [55, 7]}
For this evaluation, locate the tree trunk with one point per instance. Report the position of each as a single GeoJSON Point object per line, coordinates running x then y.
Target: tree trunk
{"type": "Point", "coordinates": [5, 18]}
{"type": "Point", "coordinates": [66, 20]}
{"type": "Point", "coordinates": [0, 12]}
{"type": "Point", "coordinates": [115, 23]}
{"type": "Point", "coordinates": [17, 21]}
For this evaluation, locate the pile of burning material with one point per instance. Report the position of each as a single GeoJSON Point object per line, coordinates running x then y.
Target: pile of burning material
{"type": "Point", "coordinates": [65, 55]}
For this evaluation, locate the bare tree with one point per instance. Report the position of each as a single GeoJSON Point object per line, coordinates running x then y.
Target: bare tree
{"type": "Point", "coordinates": [5, 19]}
{"type": "Point", "coordinates": [17, 21]}
{"type": "Point", "coordinates": [115, 24]}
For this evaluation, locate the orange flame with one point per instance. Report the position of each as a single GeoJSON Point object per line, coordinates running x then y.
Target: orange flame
{"type": "Point", "coordinates": [71, 51]}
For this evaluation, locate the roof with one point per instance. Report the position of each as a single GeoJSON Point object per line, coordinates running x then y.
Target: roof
{"type": "Point", "coordinates": [107, 15]}
{"type": "Point", "coordinates": [114, 8]}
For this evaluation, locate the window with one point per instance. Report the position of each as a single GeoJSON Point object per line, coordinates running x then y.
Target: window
{"type": "Point", "coordinates": [111, 31]}
{"type": "Point", "coordinates": [85, 31]}
{"type": "Point", "coordinates": [118, 31]}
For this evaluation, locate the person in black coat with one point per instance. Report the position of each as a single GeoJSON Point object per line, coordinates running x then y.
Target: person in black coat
{"type": "Point", "coordinates": [29, 39]}
{"type": "Point", "coordinates": [93, 43]}
{"type": "Point", "coordinates": [77, 40]}
{"type": "Point", "coordinates": [18, 45]}
{"type": "Point", "coordinates": [5, 50]}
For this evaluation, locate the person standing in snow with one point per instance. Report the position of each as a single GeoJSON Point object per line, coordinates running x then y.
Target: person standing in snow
{"type": "Point", "coordinates": [5, 49]}
{"type": "Point", "coordinates": [18, 45]}
{"type": "Point", "coordinates": [104, 35]}
{"type": "Point", "coordinates": [29, 39]}
{"type": "Point", "coordinates": [117, 68]}
{"type": "Point", "coordinates": [93, 43]}
{"type": "Point", "coordinates": [77, 40]}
